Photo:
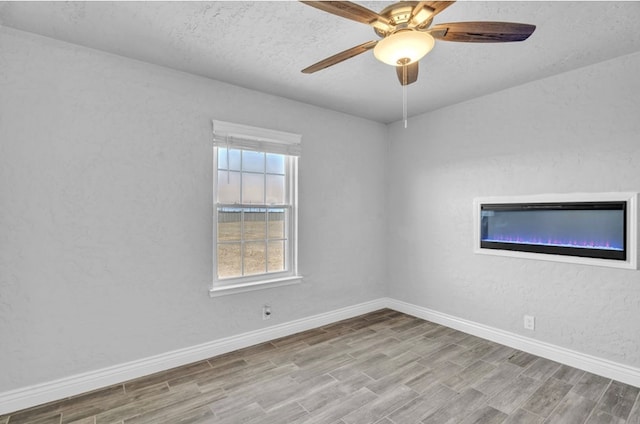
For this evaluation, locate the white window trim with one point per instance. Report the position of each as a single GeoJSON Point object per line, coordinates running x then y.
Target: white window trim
{"type": "Point", "coordinates": [218, 288]}
{"type": "Point", "coordinates": [217, 291]}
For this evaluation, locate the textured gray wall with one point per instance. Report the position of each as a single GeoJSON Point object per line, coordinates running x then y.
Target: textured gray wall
{"type": "Point", "coordinates": [574, 132]}
{"type": "Point", "coordinates": [106, 207]}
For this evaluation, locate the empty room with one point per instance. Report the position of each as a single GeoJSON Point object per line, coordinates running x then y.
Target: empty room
{"type": "Point", "coordinates": [319, 212]}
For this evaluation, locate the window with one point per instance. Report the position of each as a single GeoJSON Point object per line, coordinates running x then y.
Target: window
{"type": "Point", "coordinates": [255, 210]}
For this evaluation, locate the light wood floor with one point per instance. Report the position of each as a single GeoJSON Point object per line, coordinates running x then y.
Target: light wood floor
{"type": "Point", "coordinates": [384, 367]}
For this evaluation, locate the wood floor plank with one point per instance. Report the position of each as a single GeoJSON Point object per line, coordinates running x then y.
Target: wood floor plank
{"type": "Point", "coordinates": [166, 375]}
{"type": "Point", "coordinates": [471, 354]}
{"type": "Point", "coordinates": [485, 415]}
{"type": "Point", "coordinates": [248, 414]}
{"type": "Point", "coordinates": [88, 420]}
{"type": "Point", "coordinates": [339, 408]}
{"type": "Point", "coordinates": [290, 413]}
{"type": "Point", "coordinates": [363, 347]}
{"type": "Point", "coordinates": [156, 405]}
{"type": "Point", "coordinates": [424, 380]}
{"type": "Point", "coordinates": [212, 374]}
{"type": "Point", "coordinates": [102, 403]}
{"type": "Point", "coordinates": [234, 377]}
{"type": "Point", "coordinates": [392, 365]}
{"type": "Point", "coordinates": [514, 393]}
{"type": "Point", "coordinates": [443, 354]}
{"type": "Point", "coordinates": [334, 392]}
{"type": "Point", "coordinates": [415, 331]}
{"type": "Point", "coordinates": [457, 408]}
{"type": "Point", "coordinates": [395, 379]}
{"type": "Point", "coordinates": [469, 375]}
{"type": "Point", "coordinates": [380, 368]}
{"type": "Point", "coordinates": [82, 406]}
{"type": "Point", "coordinates": [423, 346]}
{"type": "Point", "coordinates": [619, 399]}
{"type": "Point", "coordinates": [420, 407]}
{"type": "Point", "coordinates": [634, 416]}
{"type": "Point", "coordinates": [44, 414]}
{"type": "Point", "coordinates": [443, 370]}
{"type": "Point", "coordinates": [522, 359]}
{"type": "Point", "coordinates": [601, 417]}
{"type": "Point", "coordinates": [573, 409]}
{"type": "Point", "coordinates": [49, 419]}
{"type": "Point", "coordinates": [175, 416]}
{"type": "Point", "coordinates": [287, 390]}
{"type": "Point", "coordinates": [591, 386]}
{"type": "Point", "coordinates": [547, 397]}
{"type": "Point", "coordinates": [541, 369]}
{"type": "Point", "coordinates": [372, 360]}
{"type": "Point", "coordinates": [381, 406]}
{"type": "Point", "coordinates": [316, 353]}
{"type": "Point", "coordinates": [322, 367]}
{"type": "Point", "coordinates": [494, 380]}
{"type": "Point", "coordinates": [524, 417]}
{"type": "Point", "coordinates": [569, 374]}
{"type": "Point", "coordinates": [472, 341]}
{"type": "Point", "coordinates": [499, 354]}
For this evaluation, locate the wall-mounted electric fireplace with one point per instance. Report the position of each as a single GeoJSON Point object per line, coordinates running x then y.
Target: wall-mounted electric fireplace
{"type": "Point", "coordinates": [597, 229]}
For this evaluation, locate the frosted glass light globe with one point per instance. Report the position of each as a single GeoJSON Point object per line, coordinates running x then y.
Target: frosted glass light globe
{"type": "Point", "coordinates": [403, 47]}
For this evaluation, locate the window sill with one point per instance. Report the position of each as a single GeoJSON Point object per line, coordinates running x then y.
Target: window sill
{"type": "Point", "coordinates": [218, 291]}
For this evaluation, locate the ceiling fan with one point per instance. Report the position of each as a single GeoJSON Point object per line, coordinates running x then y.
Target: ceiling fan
{"type": "Point", "coordinates": [407, 35]}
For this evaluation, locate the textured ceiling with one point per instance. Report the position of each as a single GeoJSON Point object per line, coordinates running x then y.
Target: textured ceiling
{"type": "Point", "coordinates": [264, 45]}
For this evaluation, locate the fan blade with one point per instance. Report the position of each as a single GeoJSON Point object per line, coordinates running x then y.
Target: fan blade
{"type": "Point", "coordinates": [482, 32]}
{"type": "Point", "coordinates": [411, 75]}
{"type": "Point", "coordinates": [349, 10]}
{"type": "Point", "coordinates": [337, 58]}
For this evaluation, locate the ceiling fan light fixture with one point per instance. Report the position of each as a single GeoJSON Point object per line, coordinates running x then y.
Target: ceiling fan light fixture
{"type": "Point", "coordinates": [403, 47]}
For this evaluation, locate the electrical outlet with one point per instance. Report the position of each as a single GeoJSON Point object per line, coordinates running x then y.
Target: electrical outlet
{"type": "Point", "coordinates": [529, 322]}
{"type": "Point", "coordinates": [266, 312]}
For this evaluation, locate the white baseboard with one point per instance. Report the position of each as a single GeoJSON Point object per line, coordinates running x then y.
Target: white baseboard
{"type": "Point", "coordinates": [595, 365]}
{"type": "Point", "coordinates": [38, 394]}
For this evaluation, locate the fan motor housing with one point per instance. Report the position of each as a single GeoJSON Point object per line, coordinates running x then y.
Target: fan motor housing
{"type": "Point", "coordinates": [400, 13]}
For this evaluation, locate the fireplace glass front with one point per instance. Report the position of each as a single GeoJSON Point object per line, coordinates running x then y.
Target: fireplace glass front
{"type": "Point", "coordinates": [585, 229]}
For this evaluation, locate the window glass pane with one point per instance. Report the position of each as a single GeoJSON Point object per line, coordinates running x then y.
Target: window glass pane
{"type": "Point", "coordinates": [255, 258]}
{"type": "Point", "coordinates": [229, 260]}
{"type": "Point", "coordinates": [255, 224]}
{"type": "Point", "coordinates": [253, 188]}
{"type": "Point", "coordinates": [276, 223]}
{"type": "Point", "coordinates": [252, 161]}
{"type": "Point", "coordinates": [229, 225]}
{"type": "Point", "coordinates": [222, 158]}
{"type": "Point", "coordinates": [234, 158]}
{"type": "Point", "coordinates": [275, 163]}
{"type": "Point", "coordinates": [276, 256]}
{"type": "Point", "coordinates": [275, 189]}
{"type": "Point", "coordinates": [228, 187]}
